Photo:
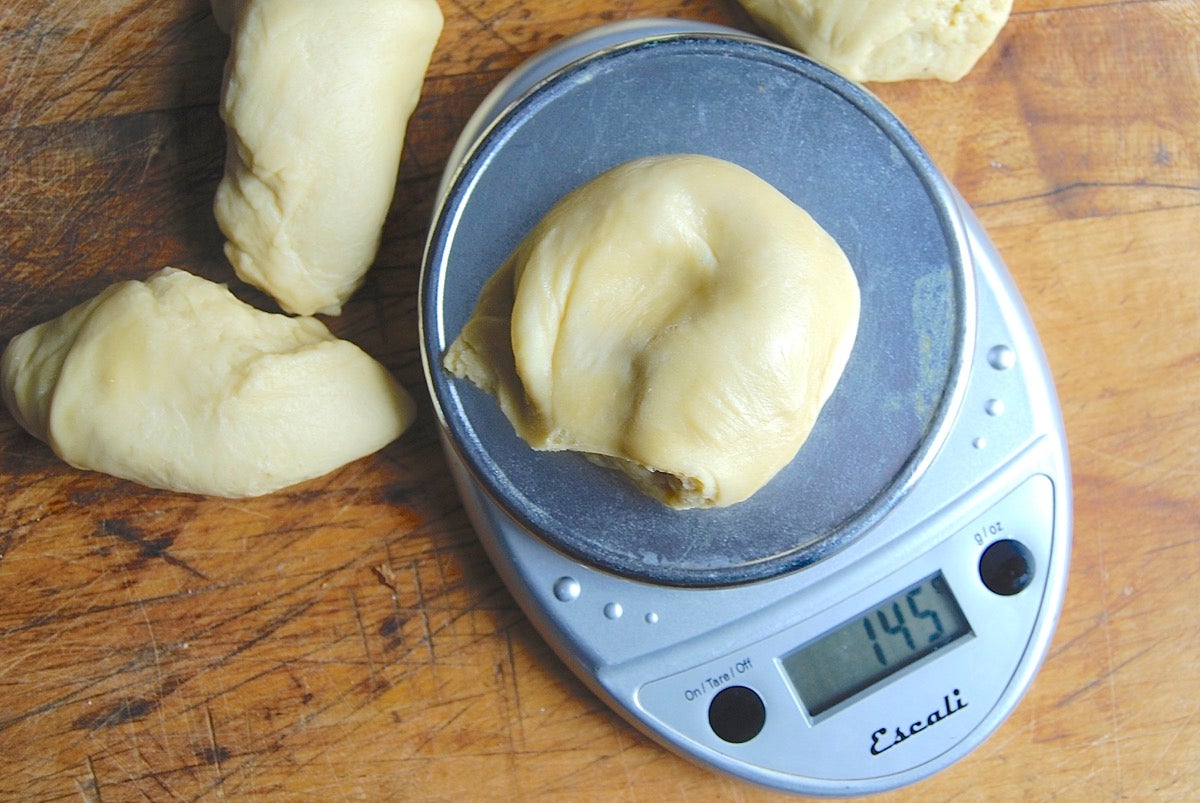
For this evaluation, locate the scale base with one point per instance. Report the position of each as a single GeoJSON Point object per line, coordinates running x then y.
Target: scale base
{"type": "Point", "coordinates": [703, 668]}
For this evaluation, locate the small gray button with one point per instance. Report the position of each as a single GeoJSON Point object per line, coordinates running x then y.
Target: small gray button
{"type": "Point", "coordinates": [1002, 358]}
{"type": "Point", "coordinates": [566, 589]}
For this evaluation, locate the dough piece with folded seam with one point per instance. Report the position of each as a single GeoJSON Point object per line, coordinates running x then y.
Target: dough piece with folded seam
{"type": "Point", "coordinates": [174, 383]}
{"type": "Point", "coordinates": [316, 102]}
{"type": "Point", "coordinates": [887, 40]}
{"type": "Point", "coordinates": [677, 318]}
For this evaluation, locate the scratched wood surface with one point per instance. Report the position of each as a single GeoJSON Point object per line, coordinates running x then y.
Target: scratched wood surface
{"type": "Point", "coordinates": [347, 639]}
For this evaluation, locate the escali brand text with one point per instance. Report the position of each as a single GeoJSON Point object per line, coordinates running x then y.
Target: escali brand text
{"type": "Point", "coordinates": [885, 739]}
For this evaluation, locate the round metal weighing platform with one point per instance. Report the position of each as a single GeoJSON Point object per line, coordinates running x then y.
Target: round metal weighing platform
{"type": "Point", "coordinates": [833, 149]}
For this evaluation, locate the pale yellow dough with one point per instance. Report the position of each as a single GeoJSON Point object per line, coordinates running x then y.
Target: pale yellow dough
{"type": "Point", "coordinates": [677, 318]}
{"type": "Point", "coordinates": [174, 383]}
{"type": "Point", "coordinates": [887, 40]}
{"type": "Point", "coordinates": [316, 102]}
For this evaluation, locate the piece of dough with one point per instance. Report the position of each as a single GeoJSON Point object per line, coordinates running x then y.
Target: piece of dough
{"type": "Point", "coordinates": [887, 40]}
{"type": "Point", "coordinates": [174, 383]}
{"type": "Point", "coordinates": [316, 102]}
{"type": "Point", "coordinates": [676, 317]}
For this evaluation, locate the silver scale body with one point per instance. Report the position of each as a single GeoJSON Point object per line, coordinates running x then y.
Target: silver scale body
{"type": "Point", "coordinates": [659, 647]}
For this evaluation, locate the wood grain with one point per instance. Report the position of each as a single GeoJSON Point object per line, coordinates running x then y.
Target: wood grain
{"type": "Point", "coordinates": [347, 638]}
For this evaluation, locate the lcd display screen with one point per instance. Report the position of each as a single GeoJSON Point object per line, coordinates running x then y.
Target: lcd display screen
{"type": "Point", "coordinates": [875, 645]}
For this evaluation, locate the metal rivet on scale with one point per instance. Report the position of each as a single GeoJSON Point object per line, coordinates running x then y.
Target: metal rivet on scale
{"type": "Point", "coordinates": [613, 610]}
{"type": "Point", "coordinates": [1002, 358]}
{"type": "Point", "coordinates": [566, 589]}
{"type": "Point", "coordinates": [994, 407]}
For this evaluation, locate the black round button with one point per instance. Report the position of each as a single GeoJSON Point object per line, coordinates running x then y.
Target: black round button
{"type": "Point", "coordinates": [1006, 567]}
{"type": "Point", "coordinates": [737, 714]}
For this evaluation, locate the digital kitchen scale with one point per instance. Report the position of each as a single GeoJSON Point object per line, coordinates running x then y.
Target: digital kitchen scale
{"type": "Point", "coordinates": [878, 609]}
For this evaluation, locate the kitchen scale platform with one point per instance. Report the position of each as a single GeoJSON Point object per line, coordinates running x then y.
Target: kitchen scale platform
{"type": "Point", "coordinates": [879, 608]}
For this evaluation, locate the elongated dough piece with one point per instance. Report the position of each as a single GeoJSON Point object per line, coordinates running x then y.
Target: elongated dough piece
{"type": "Point", "coordinates": [174, 383]}
{"type": "Point", "coordinates": [316, 103]}
{"type": "Point", "coordinates": [887, 40]}
{"type": "Point", "coordinates": [677, 318]}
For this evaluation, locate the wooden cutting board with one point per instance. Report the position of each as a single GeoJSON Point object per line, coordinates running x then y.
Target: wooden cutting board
{"type": "Point", "coordinates": [347, 638]}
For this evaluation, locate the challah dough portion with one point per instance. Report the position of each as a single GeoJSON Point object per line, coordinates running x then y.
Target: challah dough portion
{"type": "Point", "coordinates": [174, 383]}
{"type": "Point", "coordinates": [887, 40]}
{"type": "Point", "coordinates": [316, 102]}
{"type": "Point", "coordinates": [677, 318]}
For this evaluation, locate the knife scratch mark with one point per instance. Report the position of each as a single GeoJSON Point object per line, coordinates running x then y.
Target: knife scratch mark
{"type": "Point", "coordinates": [93, 782]}
{"type": "Point", "coordinates": [1167, 751]}
{"type": "Point", "coordinates": [215, 752]}
{"type": "Point", "coordinates": [488, 24]}
{"type": "Point", "coordinates": [423, 609]}
{"type": "Point", "coordinates": [266, 632]}
{"type": "Point", "coordinates": [516, 716]}
{"type": "Point", "coordinates": [71, 697]}
{"type": "Point", "coordinates": [1083, 186]}
{"type": "Point", "coordinates": [392, 628]}
{"type": "Point", "coordinates": [362, 634]}
{"type": "Point", "coordinates": [1110, 669]}
{"type": "Point", "coordinates": [355, 701]}
{"type": "Point", "coordinates": [156, 666]}
{"type": "Point", "coordinates": [252, 678]}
